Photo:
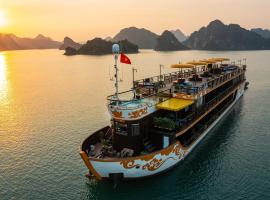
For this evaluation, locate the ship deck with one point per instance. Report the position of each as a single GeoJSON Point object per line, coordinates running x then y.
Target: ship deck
{"type": "Point", "coordinates": [187, 122]}
{"type": "Point", "coordinates": [154, 90]}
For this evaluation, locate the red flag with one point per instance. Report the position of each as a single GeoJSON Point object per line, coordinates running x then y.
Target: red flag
{"type": "Point", "coordinates": [124, 59]}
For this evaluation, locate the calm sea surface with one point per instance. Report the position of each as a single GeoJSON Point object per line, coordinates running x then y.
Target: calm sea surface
{"type": "Point", "coordinates": [49, 103]}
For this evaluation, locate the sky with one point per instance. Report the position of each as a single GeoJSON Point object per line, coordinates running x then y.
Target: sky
{"type": "Point", "coordinates": [86, 19]}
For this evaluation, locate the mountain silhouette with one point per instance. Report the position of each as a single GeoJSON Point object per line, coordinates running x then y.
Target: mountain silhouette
{"type": "Point", "coordinates": [168, 42]}
{"type": "Point", "coordinates": [98, 46]}
{"type": "Point", "coordinates": [265, 33]}
{"type": "Point", "coordinates": [68, 42]}
{"type": "Point", "coordinates": [12, 42]}
{"type": "Point", "coordinates": [218, 36]}
{"type": "Point", "coordinates": [144, 38]}
{"type": "Point", "coordinates": [180, 36]}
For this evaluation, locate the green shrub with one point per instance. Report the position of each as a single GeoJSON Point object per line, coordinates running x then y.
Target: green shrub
{"type": "Point", "coordinates": [164, 123]}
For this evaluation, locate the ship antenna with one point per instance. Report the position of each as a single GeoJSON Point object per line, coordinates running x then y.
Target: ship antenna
{"type": "Point", "coordinates": [133, 79]}
{"type": "Point", "coordinates": [115, 51]}
{"type": "Point", "coordinates": [160, 67]}
{"type": "Point", "coordinates": [245, 60]}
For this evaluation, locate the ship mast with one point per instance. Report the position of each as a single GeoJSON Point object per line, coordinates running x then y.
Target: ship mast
{"type": "Point", "coordinates": [115, 51]}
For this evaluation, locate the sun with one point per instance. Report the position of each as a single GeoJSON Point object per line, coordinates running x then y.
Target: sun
{"type": "Point", "coordinates": [2, 19]}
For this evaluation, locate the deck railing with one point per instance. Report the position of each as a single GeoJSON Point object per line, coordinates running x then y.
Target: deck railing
{"type": "Point", "coordinates": [198, 113]}
{"type": "Point", "coordinates": [212, 83]}
{"type": "Point", "coordinates": [199, 131]}
{"type": "Point", "coordinates": [149, 101]}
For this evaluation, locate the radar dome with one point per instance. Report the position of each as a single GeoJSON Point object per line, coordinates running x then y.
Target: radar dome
{"type": "Point", "coordinates": [115, 48]}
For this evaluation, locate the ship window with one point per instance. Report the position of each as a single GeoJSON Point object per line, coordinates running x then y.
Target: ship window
{"type": "Point", "coordinates": [135, 129]}
{"type": "Point", "coordinates": [166, 141]}
{"type": "Point", "coordinates": [121, 128]}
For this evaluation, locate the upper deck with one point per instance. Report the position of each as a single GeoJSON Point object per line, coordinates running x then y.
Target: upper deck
{"type": "Point", "coordinates": [189, 84]}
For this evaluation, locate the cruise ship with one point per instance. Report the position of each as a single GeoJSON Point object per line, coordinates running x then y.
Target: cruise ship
{"type": "Point", "coordinates": [161, 119]}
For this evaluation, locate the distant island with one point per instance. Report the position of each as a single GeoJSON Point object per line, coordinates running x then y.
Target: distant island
{"type": "Point", "coordinates": [144, 38]}
{"type": "Point", "coordinates": [218, 36]}
{"type": "Point", "coordinates": [12, 42]}
{"type": "Point", "coordinates": [99, 46]}
{"type": "Point", "coordinates": [215, 36]}
{"type": "Point", "coordinates": [68, 42]}
{"type": "Point", "coordinates": [168, 42]}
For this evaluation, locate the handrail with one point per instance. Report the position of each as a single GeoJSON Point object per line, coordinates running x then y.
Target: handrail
{"type": "Point", "coordinates": [158, 76]}
{"type": "Point", "coordinates": [141, 104]}
{"type": "Point", "coordinates": [207, 124]}
{"type": "Point", "coordinates": [174, 73]}
{"type": "Point", "coordinates": [210, 105]}
{"type": "Point", "coordinates": [225, 78]}
{"type": "Point", "coordinates": [133, 100]}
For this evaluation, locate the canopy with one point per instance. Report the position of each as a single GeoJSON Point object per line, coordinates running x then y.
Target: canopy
{"type": "Point", "coordinates": [219, 59]}
{"type": "Point", "coordinates": [197, 63]}
{"type": "Point", "coordinates": [174, 104]}
{"type": "Point", "coordinates": [181, 66]}
{"type": "Point", "coordinates": [208, 61]}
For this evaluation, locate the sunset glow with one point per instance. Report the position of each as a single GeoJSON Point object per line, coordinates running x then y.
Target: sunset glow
{"type": "Point", "coordinates": [82, 20]}
{"type": "Point", "coordinates": [2, 19]}
{"type": "Point", "coordinates": [3, 78]}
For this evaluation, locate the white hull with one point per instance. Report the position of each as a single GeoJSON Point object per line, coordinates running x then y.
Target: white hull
{"type": "Point", "coordinates": [142, 166]}
{"type": "Point", "coordinates": [151, 164]}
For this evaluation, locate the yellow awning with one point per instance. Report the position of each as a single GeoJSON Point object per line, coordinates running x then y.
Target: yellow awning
{"type": "Point", "coordinates": [219, 59]}
{"type": "Point", "coordinates": [174, 104]}
{"type": "Point", "coordinates": [197, 63]}
{"type": "Point", "coordinates": [182, 66]}
{"type": "Point", "coordinates": [208, 61]}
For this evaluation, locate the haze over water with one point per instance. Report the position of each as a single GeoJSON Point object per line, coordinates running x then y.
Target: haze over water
{"type": "Point", "coordinates": [50, 102]}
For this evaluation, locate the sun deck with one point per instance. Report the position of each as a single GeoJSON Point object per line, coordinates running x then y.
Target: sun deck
{"type": "Point", "coordinates": [151, 91]}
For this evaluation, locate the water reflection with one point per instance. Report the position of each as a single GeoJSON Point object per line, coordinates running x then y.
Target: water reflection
{"type": "Point", "coordinates": [3, 79]}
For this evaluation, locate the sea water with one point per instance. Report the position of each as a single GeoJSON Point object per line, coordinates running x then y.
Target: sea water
{"type": "Point", "coordinates": [50, 102]}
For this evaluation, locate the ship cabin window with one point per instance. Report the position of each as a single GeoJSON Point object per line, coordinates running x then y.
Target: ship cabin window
{"type": "Point", "coordinates": [121, 128]}
{"type": "Point", "coordinates": [166, 141]}
{"type": "Point", "coordinates": [135, 129]}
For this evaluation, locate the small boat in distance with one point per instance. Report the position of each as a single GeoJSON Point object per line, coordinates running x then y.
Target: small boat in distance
{"type": "Point", "coordinates": [155, 125]}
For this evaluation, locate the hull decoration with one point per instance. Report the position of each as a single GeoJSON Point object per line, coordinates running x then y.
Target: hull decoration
{"type": "Point", "coordinates": [141, 166]}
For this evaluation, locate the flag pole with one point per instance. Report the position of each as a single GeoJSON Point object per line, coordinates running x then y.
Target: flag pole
{"type": "Point", "coordinates": [116, 50]}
